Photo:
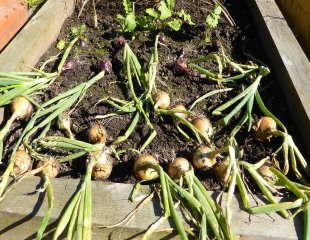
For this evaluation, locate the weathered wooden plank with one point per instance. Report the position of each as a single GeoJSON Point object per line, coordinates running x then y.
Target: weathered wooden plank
{"type": "Point", "coordinates": [297, 13]}
{"type": "Point", "coordinates": [36, 37]}
{"type": "Point", "coordinates": [110, 204]}
{"type": "Point", "coordinates": [289, 63]}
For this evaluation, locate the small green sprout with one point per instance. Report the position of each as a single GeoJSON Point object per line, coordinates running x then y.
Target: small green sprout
{"type": "Point", "coordinates": [212, 21]}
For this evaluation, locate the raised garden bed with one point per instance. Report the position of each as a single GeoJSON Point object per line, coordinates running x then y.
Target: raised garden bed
{"type": "Point", "coordinates": [168, 142]}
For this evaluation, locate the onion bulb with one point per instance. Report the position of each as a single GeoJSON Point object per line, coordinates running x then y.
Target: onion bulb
{"type": "Point", "coordinates": [103, 164]}
{"type": "Point", "coordinates": [144, 167]}
{"type": "Point", "coordinates": [64, 124]}
{"type": "Point", "coordinates": [220, 170]}
{"type": "Point", "coordinates": [105, 66]}
{"type": "Point", "coordinates": [182, 111]}
{"type": "Point", "coordinates": [204, 126]}
{"type": "Point", "coordinates": [21, 160]}
{"type": "Point", "coordinates": [181, 66]}
{"type": "Point", "coordinates": [204, 158]}
{"type": "Point", "coordinates": [264, 129]}
{"type": "Point", "coordinates": [162, 100]}
{"type": "Point", "coordinates": [178, 167]}
{"type": "Point", "coordinates": [51, 167]}
{"type": "Point", "coordinates": [266, 173]}
{"type": "Point", "coordinates": [68, 65]}
{"type": "Point", "coordinates": [21, 108]}
{"type": "Point", "coordinates": [97, 134]}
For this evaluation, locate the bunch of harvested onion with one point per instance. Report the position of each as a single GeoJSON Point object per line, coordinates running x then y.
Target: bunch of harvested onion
{"type": "Point", "coordinates": [21, 109]}
{"type": "Point", "coordinates": [196, 201]}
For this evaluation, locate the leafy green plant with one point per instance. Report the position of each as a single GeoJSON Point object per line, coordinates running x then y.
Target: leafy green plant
{"type": "Point", "coordinates": [165, 16]}
{"type": "Point", "coordinates": [129, 21]}
{"type": "Point", "coordinates": [212, 21]}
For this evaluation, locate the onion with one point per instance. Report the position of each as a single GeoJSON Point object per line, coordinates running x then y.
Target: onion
{"type": "Point", "coordinates": [162, 100]}
{"type": "Point", "coordinates": [97, 134]}
{"type": "Point", "coordinates": [162, 39]}
{"type": "Point", "coordinates": [51, 167]}
{"type": "Point", "coordinates": [21, 108]}
{"type": "Point", "coordinates": [64, 124]}
{"type": "Point", "coordinates": [204, 158]}
{"type": "Point", "coordinates": [105, 66]}
{"type": "Point", "coordinates": [182, 109]}
{"type": "Point", "coordinates": [178, 167]}
{"type": "Point", "coordinates": [103, 166]}
{"type": "Point", "coordinates": [264, 129]}
{"type": "Point", "coordinates": [68, 65]}
{"type": "Point", "coordinates": [181, 66]}
{"type": "Point", "coordinates": [144, 167]}
{"type": "Point", "coordinates": [204, 126]}
{"type": "Point", "coordinates": [120, 41]}
{"type": "Point", "coordinates": [21, 160]}
{"type": "Point", "coordinates": [220, 170]}
{"type": "Point", "coordinates": [266, 173]}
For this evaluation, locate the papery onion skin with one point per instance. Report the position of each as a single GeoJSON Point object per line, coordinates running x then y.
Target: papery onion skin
{"type": "Point", "coordinates": [97, 134]}
{"type": "Point", "coordinates": [265, 128]}
{"type": "Point", "coordinates": [178, 167]}
{"type": "Point", "coordinates": [144, 167]}
{"type": "Point", "coordinates": [51, 167]}
{"type": "Point", "coordinates": [162, 100]}
{"type": "Point", "coordinates": [204, 158]}
{"type": "Point", "coordinates": [22, 108]}
{"type": "Point", "coordinates": [22, 161]}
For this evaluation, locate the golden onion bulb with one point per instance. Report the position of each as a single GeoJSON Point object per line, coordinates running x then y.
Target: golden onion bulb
{"type": "Point", "coordinates": [264, 129]}
{"type": "Point", "coordinates": [103, 164]}
{"type": "Point", "coordinates": [51, 167]}
{"type": "Point", "coordinates": [220, 170]}
{"type": "Point", "coordinates": [144, 167]}
{"type": "Point", "coordinates": [97, 134]}
{"type": "Point", "coordinates": [204, 126]}
{"type": "Point", "coordinates": [182, 109]}
{"type": "Point", "coordinates": [21, 160]}
{"type": "Point", "coordinates": [204, 158]}
{"type": "Point", "coordinates": [178, 167]}
{"type": "Point", "coordinates": [162, 100]}
{"type": "Point", "coordinates": [21, 107]}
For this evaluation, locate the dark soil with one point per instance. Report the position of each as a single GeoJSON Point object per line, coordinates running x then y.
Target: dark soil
{"type": "Point", "coordinates": [240, 42]}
